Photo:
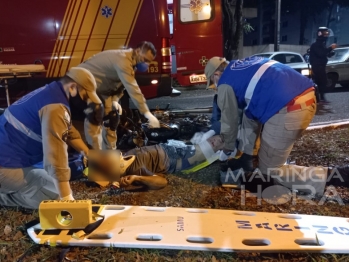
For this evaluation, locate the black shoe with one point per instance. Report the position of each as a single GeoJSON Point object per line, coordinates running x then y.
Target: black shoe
{"type": "Point", "coordinates": [230, 178]}
{"type": "Point", "coordinates": [338, 176]}
{"type": "Point", "coordinates": [324, 102]}
{"type": "Point", "coordinates": [257, 181]}
{"type": "Point", "coordinates": [245, 162]}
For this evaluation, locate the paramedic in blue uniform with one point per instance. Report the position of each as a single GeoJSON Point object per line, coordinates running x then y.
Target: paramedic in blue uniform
{"type": "Point", "coordinates": [38, 128]}
{"type": "Point", "coordinates": [278, 104]}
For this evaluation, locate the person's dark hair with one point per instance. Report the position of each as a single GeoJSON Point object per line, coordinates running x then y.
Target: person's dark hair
{"type": "Point", "coordinates": [145, 46]}
{"type": "Point", "coordinates": [66, 80]}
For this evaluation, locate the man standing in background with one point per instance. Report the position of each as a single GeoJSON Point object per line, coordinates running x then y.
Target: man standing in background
{"type": "Point", "coordinates": [318, 60]}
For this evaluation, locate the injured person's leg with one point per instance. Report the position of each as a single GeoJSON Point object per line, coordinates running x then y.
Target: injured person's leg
{"type": "Point", "coordinates": [205, 151]}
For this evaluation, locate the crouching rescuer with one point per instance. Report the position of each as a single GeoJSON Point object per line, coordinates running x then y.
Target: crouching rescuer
{"type": "Point", "coordinates": [38, 128]}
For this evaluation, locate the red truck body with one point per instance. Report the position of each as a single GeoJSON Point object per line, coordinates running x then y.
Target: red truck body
{"type": "Point", "coordinates": [63, 33]}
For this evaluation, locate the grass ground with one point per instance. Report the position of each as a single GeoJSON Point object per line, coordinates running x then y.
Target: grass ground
{"type": "Point", "coordinates": [197, 190]}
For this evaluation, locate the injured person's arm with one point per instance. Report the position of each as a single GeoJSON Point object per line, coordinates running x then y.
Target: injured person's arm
{"type": "Point", "coordinates": [154, 182]}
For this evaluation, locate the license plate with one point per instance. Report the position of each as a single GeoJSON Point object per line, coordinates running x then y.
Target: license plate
{"type": "Point", "coordinates": [197, 78]}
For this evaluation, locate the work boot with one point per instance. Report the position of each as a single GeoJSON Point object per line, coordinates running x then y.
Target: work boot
{"type": "Point", "coordinates": [338, 176]}
{"type": "Point", "coordinates": [229, 178]}
{"type": "Point", "coordinates": [245, 162]}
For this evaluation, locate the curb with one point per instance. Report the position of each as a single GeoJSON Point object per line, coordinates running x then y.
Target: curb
{"type": "Point", "coordinates": [333, 124]}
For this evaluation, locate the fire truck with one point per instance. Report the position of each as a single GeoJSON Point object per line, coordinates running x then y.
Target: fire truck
{"type": "Point", "coordinates": [60, 34]}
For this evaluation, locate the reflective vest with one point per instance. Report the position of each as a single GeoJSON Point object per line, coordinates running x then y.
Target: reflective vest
{"type": "Point", "coordinates": [20, 126]}
{"type": "Point", "coordinates": [263, 86]}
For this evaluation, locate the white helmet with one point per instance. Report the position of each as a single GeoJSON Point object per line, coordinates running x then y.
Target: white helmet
{"type": "Point", "coordinates": [108, 165]}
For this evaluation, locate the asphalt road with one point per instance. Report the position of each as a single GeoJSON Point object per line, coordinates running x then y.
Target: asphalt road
{"type": "Point", "coordinates": [198, 97]}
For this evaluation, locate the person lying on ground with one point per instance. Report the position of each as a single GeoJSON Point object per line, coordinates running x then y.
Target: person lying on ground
{"type": "Point", "coordinates": [147, 165]}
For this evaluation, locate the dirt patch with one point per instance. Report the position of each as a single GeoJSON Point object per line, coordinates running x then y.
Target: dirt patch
{"type": "Point", "coordinates": [201, 189]}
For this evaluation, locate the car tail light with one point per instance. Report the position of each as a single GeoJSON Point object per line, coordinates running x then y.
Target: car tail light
{"type": "Point", "coordinates": [166, 55]}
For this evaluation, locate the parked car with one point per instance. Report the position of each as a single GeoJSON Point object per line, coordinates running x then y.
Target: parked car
{"type": "Point", "coordinates": [294, 60]}
{"type": "Point", "coordinates": [337, 68]}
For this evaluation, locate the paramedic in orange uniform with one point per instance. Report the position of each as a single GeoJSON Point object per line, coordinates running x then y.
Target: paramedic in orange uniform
{"type": "Point", "coordinates": [114, 71]}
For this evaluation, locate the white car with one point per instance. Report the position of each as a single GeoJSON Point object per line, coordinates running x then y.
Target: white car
{"type": "Point", "coordinates": [337, 68]}
{"type": "Point", "coordinates": [294, 60]}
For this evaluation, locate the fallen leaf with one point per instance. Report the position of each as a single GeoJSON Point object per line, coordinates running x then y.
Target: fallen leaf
{"type": "Point", "coordinates": [18, 235]}
{"type": "Point", "coordinates": [7, 230]}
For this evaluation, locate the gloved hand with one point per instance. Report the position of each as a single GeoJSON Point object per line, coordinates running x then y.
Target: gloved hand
{"type": "Point", "coordinates": [84, 159]}
{"type": "Point", "coordinates": [223, 156]}
{"type": "Point", "coordinates": [68, 197]}
{"type": "Point", "coordinates": [153, 121]}
{"type": "Point", "coordinates": [99, 113]}
{"type": "Point", "coordinates": [94, 113]}
{"type": "Point", "coordinates": [208, 134]}
{"type": "Point", "coordinates": [197, 138]}
{"type": "Point", "coordinates": [117, 107]}
{"type": "Point", "coordinates": [114, 120]}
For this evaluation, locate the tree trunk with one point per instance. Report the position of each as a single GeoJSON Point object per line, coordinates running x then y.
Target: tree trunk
{"type": "Point", "coordinates": [238, 27]}
{"type": "Point", "coordinates": [227, 28]}
{"type": "Point", "coordinates": [303, 24]}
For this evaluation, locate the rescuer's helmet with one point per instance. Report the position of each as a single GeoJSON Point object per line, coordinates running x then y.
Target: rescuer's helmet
{"type": "Point", "coordinates": [323, 33]}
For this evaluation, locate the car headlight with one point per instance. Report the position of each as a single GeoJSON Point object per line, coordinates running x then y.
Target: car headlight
{"type": "Point", "coordinates": [305, 72]}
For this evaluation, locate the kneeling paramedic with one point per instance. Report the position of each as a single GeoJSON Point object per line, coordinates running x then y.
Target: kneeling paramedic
{"type": "Point", "coordinates": [278, 104]}
{"type": "Point", "coordinates": [38, 128]}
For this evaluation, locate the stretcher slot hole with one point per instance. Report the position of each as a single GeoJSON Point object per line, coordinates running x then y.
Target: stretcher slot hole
{"type": "Point", "coordinates": [156, 209]}
{"type": "Point", "coordinates": [256, 242]}
{"type": "Point", "coordinates": [309, 242]}
{"type": "Point", "coordinates": [244, 213]}
{"type": "Point", "coordinates": [100, 236]}
{"type": "Point", "coordinates": [149, 237]}
{"type": "Point", "coordinates": [64, 218]}
{"type": "Point", "coordinates": [114, 208]}
{"type": "Point", "coordinates": [37, 231]}
{"type": "Point", "coordinates": [51, 232]}
{"type": "Point", "coordinates": [197, 211]}
{"type": "Point", "coordinates": [200, 240]}
{"type": "Point", "coordinates": [290, 216]}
